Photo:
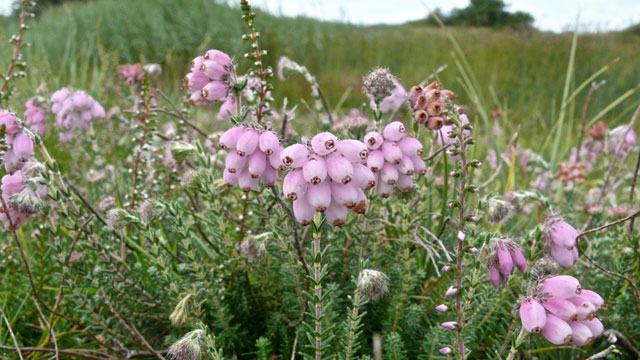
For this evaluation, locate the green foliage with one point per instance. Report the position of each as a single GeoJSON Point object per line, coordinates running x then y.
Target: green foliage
{"type": "Point", "coordinates": [485, 13]}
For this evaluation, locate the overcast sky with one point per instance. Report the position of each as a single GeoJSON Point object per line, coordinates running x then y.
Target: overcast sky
{"type": "Point", "coordinates": [554, 15]}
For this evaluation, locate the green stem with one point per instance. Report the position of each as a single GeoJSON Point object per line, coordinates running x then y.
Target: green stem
{"type": "Point", "coordinates": [516, 345]}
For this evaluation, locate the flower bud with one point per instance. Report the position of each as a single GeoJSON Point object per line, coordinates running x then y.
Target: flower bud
{"type": "Point", "coordinates": [405, 166]}
{"type": "Point", "coordinates": [196, 63]}
{"type": "Point", "coordinates": [294, 156]}
{"type": "Point", "coordinates": [563, 286]}
{"type": "Point", "coordinates": [324, 143]}
{"type": "Point", "coordinates": [532, 316]}
{"type": "Point", "coordinates": [595, 325]}
{"type": "Point", "coordinates": [257, 163]}
{"type": "Point", "coordinates": [389, 173]}
{"type": "Point", "coordinates": [373, 284]}
{"type": "Point", "coordinates": [336, 214]}
{"type": "Point", "coordinates": [410, 146]}
{"type": "Point", "coordinates": [213, 70]}
{"type": "Point", "coordinates": [195, 81]}
{"type": "Point", "coordinates": [392, 152]}
{"type": "Point", "coordinates": [593, 297]}
{"type": "Point", "coordinates": [303, 211]}
{"type": "Point", "coordinates": [230, 178]}
{"type": "Point", "coordinates": [373, 140]}
{"type": "Point", "coordinates": [218, 56]}
{"type": "Point", "coordinates": [363, 178]}
{"type": "Point", "coordinates": [215, 91]}
{"type": "Point", "coordinates": [445, 350]}
{"type": "Point", "coordinates": [419, 167]}
{"type": "Point", "coordinates": [384, 189]}
{"type": "Point", "coordinates": [246, 181]}
{"type": "Point", "coordinates": [361, 202]}
{"type": "Point", "coordinates": [451, 325]}
{"type": "Point", "coordinates": [442, 307]}
{"type": "Point", "coordinates": [235, 163]}
{"type": "Point", "coordinates": [248, 142]}
{"type": "Point", "coordinates": [268, 142]}
{"type": "Point", "coordinates": [434, 123]}
{"type": "Point", "coordinates": [375, 161]}
{"type": "Point", "coordinates": [275, 160]}
{"type": "Point", "coordinates": [269, 176]}
{"type": "Point", "coordinates": [339, 168]}
{"type": "Point", "coordinates": [314, 170]}
{"type": "Point", "coordinates": [181, 149]}
{"type": "Point", "coordinates": [451, 291]}
{"type": "Point", "coordinates": [294, 185]}
{"type": "Point", "coordinates": [319, 196]}
{"type": "Point", "coordinates": [22, 147]}
{"type": "Point", "coordinates": [562, 308]}
{"type": "Point", "coordinates": [421, 117]}
{"type": "Point", "coordinates": [394, 131]}
{"type": "Point", "coordinates": [405, 183]}
{"type": "Point", "coordinates": [581, 334]}
{"type": "Point", "coordinates": [344, 194]}
{"type": "Point", "coordinates": [585, 309]}
{"type": "Point", "coordinates": [557, 331]}
{"type": "Point", "coordinates": [187, 348]}
{"type": "Point", "coordinates": [229, 138]}
{"type": "Point", "coordinates": [353, 150]}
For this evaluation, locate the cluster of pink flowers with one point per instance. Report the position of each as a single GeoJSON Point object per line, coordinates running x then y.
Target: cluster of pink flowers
{"type": "Point", "coordinates": [392, 102]}
{"type": "Point", "coordinates": [622, 136]}
{"type": "Point", "coordinates": [505, 255]}
{"type": "Point", "coordinates": [562, 312]}
{"type": "Point", "coordinates": [131, 73]}
{"type": "Point", "coordinates": [353, 119]}
{"type": "Point", "coordinates": [20, 145]}
{"type": "Point", "coordinates": [394, 158]}
{"type": "Point", "coordinates": [74, 112]}
{"type": "Point", "coordinates": [36, 114]}
{"type": "Point", "coordinates": [561, 240]}
{"type": "Point", "coordinates": [330, 178]}
{"type": "Point", "coordinates": [254, 155]}
{"type": "Point", "coordinates": [208, 80]}
{"type": "Point", "coordinates": [429, 105]}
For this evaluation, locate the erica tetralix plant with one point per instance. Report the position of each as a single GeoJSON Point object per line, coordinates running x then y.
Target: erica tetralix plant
{"type": "Point", "coordinates": [328, 176]}
{"type": "Point", "coordinates": [394, 158]}
{"type": "Point", "coordinates": [209, 79]}
{"type": "Point", "coordinates": [561, 240]}
{"type": "Point", "coordinates": [504, 258]}
{"type": "Point", "coordinates": [562, 311]}
{"type": "Point", "coordinates": [255, 155]}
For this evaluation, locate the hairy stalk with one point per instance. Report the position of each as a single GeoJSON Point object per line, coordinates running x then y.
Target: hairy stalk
{"type": "Point", "coordinates": [405, 283]}
{"type": "Point", "coordinates": [317, 288]}
{"type": "Point", "coordinates": [256, 54]}
{"type": "Point", "coordinates": [17, 41]}
{"type": "Point", "coordinates": [459, 255]}
{"type": "Point", "coordinates": [514, 348]}
{"type": "Point", "coordinates": [354, 324]}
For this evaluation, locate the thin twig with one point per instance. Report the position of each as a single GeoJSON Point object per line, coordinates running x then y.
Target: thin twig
{"type": "Point", "coordinates": [616, 336]}
{"type": "Point", "coordinates": [48, 325]}
{"type": "Point", "coordinates": [632, 191]}
{"type": "Point", "coordinates": [181, 118]}
{"type": "Point", "coordinates": [61, 351]}
{"type": "Point", "coordinates": [325, 104]}
{"type": "Point", "coordinates": [602, 354]}
{"type": "Point", "coordinates": [132, 329]}
{"type": "Point", "coordinates": [13, 337]}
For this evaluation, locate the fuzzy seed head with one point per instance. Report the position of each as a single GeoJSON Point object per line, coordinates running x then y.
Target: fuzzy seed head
{"type": "Point", "coordinates": [379, 84]}
{"type": "Point", "coordinates": [373, 284]}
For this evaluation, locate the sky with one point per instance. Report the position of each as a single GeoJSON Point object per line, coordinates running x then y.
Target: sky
{"type": "Point", "coordinates": [550, 15]}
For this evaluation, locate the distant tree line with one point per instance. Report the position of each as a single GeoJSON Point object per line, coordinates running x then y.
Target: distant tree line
{"type": "Point", "coordinates": [42, 4]}
{"type": "Point", "coordinates": [485, 13]}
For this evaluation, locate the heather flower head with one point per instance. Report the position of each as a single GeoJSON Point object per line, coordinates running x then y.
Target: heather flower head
{"type": "Point", "coordinates": [209, 80]}
{"type": "Point", "coordinates": [499, 210]}
{"type": "Point", "coordinates": [74, 112]}
{"type": "Point", "coordinates": [561, 240]}
{"type": "Point", "coordinates": [392, 102]}
{"type": "Point", "coordinates": [11, 124]}
{"type": "Point", "coordinates": [623, 137]}
{"type": "Point", "coordinates": [253, 249]}
{"type": "Point", "coordinates": [150, 210]}
{"type": "Point", "coordinates": [131, 73]}
{"type": "Point", "coordinates": [153, 70]}
{"type": "Point", "coordinates": [23, 195]}
{"type": "Point", "coordinates": [188, 347]}
{"type": "Point", "coordinates": [429, 105]}
{"type": "Point", "coordinates": [117, 218]}
{"type": "Point", "coordinates": [287, 67]}
{"type": "Point", "coordinates": [598, 131]}
{"type": "Point", "coordinates": [562, 311]}
{"type": "Point", "coordinates": [353, 119]}
{"type": "Point", "coordinates": [36, 114]}
{"type": "Point", "coordinates": [373, 284]}
{"type": "Point", "coordinates": [327, 176]}
{"type": "Point", "coordinates": [107, 203]}
{"type": "Point", "coordinates": [505, 255]}
{"type": "Point", "coordinates": [254, 155]}
{"type": "Point", "coordinates": [379, 84]}
{"type": "Point", "coordinates": [394, 158]}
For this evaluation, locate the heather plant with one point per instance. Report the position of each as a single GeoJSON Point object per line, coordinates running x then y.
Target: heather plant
{"type": "Point", "coordinates": [226, 224]}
